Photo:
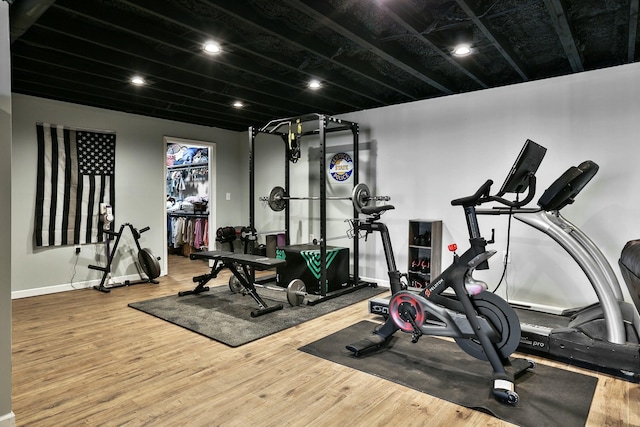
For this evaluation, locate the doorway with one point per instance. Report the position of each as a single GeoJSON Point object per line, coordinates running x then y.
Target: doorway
{"type": "Point", "coordinates": [190, 189]}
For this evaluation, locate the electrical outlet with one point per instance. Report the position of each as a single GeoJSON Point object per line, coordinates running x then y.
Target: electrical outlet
{"type": "Point", "coordinates": [506, 257]}
{"type": "Point", "coordinates": [77, 250]}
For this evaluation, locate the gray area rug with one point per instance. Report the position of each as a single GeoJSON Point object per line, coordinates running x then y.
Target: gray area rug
{"type": "Point", "coordinates": [548, 396]}
{"type": "Point", "coordinates": [226, 317]}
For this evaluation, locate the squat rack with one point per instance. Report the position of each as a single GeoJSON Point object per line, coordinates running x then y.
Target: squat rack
{"type": "Point", "coordinates": [326, 124]}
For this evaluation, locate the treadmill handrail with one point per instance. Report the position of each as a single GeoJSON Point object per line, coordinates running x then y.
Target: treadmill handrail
{"type": "Point", "coordinates": [561, 231]}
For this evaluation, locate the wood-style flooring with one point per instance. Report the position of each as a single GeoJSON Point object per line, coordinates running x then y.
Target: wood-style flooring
{"type": "Point", "coordinates": [83, 358]}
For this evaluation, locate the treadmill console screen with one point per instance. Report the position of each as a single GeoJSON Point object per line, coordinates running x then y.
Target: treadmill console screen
{"type": "Point", "coordinates": [525, 166]}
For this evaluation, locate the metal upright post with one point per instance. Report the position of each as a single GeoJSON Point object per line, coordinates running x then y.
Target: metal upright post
{"type": "Point", "coordinates": [287, 189]}
{"type": "Point", "coordinates": [356, 180]}
{"type": "Point", "coordinates": [252, 191]}
{"type": "Point", "coordinates": [323, 206]}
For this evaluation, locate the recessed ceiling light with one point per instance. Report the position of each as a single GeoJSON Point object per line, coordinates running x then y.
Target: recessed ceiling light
{"type": "Point", "coordinates": [314, 84]}
{"type": "Point", "coordinates": [238, 104]}
{"type": "Point", "coordinates": [211, 47]}
{"type": "Point", "coordinates": [462, 50]}
{"type": "Point", "coordinates": [138, 80]}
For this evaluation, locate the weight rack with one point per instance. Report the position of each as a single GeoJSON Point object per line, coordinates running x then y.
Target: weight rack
{"type": "Point", "coordinates": [326, 125]}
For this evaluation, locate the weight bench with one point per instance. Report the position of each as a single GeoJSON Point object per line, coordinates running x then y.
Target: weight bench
{"type": "Point", "coordinates": [234, 261]}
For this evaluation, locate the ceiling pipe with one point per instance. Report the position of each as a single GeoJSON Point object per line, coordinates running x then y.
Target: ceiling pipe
{"type": "Point", "coordinates": [24, 13]}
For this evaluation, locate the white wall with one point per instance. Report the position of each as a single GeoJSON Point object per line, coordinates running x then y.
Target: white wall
{"type": "Point", "coordinates": [426, 153]}
{"type": "Point", "coordinates": [140, 190]}
{"type": "Point", "coordinates": [7, 418]}
{"type": "Point", "coordinates": [304, 182]}
{"type": "Point", "coordinates": [431, 152]}
{"type": "Point", "coordinates": [422, 154]}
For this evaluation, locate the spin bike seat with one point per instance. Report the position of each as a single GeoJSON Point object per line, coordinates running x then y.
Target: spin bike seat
{"type": "Point", "coordinates": [373, 210]}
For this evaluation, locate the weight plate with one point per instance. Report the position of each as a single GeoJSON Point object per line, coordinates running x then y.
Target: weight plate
{"type": "Point", "coordinates": [360, 196]}
{"type": "Point", "coordinates": [149, 263]}
{"type": "Point", "coordinates": [296, 291]}
{"type": "Point", "coordinates": [276, 200]}
{"type": "Point", "coordinates": [235, 285]}
{"type": "Point", "coordinates": [247, 234]}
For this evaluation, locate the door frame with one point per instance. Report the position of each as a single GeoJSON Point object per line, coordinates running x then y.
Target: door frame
{"type": "Point", "coordinates": [211, 146]}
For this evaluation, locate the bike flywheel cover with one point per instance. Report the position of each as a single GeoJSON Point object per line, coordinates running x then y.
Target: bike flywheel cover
{"type": "Point", "coordinates": [503, 318]}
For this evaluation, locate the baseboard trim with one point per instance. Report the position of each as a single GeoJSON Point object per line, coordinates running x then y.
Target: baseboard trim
{"type": "Point", "coordinates": [89, 284]}
{"type": "Point", "coordinates": [538, 307]}
{"type": "Point", "coordinates": [8, 420]}
{"type": "Point", "coordinates": [69, 287]}
{"type": "Point", "coordinates": [382, 283]}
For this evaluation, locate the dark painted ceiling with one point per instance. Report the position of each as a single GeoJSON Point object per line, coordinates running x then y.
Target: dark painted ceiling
{"type": "Point", "coordinates": [366, 53]}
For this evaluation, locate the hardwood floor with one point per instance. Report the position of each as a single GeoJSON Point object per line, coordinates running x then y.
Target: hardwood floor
{"type": "Point", "coordinates": [85, 358]}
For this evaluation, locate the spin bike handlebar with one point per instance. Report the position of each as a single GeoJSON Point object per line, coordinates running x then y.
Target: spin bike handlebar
{"type": "Point", "coordinates": [477, 198]}
{"type": "Point", "coordinates": [482, 196]}
{"type": "Point", "coordinates": [469, 203]}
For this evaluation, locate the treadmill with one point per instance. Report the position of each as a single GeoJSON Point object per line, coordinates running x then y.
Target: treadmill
{"type": "Point", "coordinates": [601, 336]}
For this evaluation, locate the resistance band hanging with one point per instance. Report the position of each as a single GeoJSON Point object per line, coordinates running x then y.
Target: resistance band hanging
{"type": "Point", "coordinates": [293, 143]}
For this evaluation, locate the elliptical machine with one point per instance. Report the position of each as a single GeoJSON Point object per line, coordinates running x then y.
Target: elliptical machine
{"type": "Point", "coordinates": [481, 323]}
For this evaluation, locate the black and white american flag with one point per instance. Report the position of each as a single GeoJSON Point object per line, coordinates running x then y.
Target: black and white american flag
{"type": "Point", "coordinates": [75, 174]}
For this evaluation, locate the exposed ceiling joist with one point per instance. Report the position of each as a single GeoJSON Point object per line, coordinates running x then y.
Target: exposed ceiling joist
{"type": "Point", "coordinates": [500, 47]}
{"type": "Point", "coordinates": [402, 21]}
{"type": "Point", "coordinates": [633, 29]}
{"type": "Point", "coordinates": [321, 14]}
{"type": "Point", "coordinates": [319, 51]}
{"type": "Point", "coordinates": [559, 19]}
{"type": "Point", "coordinates": [368, 54]}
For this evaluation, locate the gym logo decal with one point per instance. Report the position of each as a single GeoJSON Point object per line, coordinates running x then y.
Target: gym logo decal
{"type": "Point", "coordinates": [341, 166]}
{"type": "Point", "coordinates": [312, 259]}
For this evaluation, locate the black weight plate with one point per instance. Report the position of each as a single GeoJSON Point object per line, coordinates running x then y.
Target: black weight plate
{"type": "Point", "coordinates": [149, 263]}
{"type": "Point", "coordinates": [277, 201]}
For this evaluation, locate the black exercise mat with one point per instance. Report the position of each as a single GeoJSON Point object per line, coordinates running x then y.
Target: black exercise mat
{"type": "Point", "coordinates": [226, 317]}
{"type": "Point", "coordinates": [548, 396]}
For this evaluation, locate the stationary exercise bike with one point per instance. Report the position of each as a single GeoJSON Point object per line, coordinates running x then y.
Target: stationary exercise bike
{"type": "Point", "coordinates": [480, 322]}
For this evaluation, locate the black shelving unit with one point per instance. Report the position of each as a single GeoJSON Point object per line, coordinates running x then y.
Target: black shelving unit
{"type": "Point", "coordinates": [425, 251]}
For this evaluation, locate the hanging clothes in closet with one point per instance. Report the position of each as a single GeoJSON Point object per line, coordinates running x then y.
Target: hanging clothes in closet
{"type": "Point", "coordinates": [187, 185]}
{"type": "Point", "coordinates": [187, 232]}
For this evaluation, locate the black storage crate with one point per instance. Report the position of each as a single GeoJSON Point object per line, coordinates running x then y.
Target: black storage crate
{"type": "Point", "coordinates": [303, 262]}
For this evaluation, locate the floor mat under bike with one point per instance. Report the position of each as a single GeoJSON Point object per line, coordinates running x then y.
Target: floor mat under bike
{"type": "Point", "coordinates": [548, 396]}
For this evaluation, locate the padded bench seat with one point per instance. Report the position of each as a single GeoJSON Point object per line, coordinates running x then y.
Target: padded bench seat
{"type": "Point", "coordinates": [256, 261]}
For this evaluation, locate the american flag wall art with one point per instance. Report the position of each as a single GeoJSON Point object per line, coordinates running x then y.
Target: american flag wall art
{"type": "Point", "coordinates": [75, 174]}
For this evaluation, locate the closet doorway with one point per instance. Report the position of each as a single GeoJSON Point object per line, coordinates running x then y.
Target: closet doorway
{"type": "Point", "coordinates": [190, 171]}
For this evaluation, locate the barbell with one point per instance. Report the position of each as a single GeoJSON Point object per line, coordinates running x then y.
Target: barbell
{"type": "Point", "coordinates": [360, 196]}
{"type": "Point", "coordinates": [296, 290]}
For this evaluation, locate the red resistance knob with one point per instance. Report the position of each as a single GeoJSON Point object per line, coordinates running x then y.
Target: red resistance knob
{"type": "Point", "coordinates": [453, 247]}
